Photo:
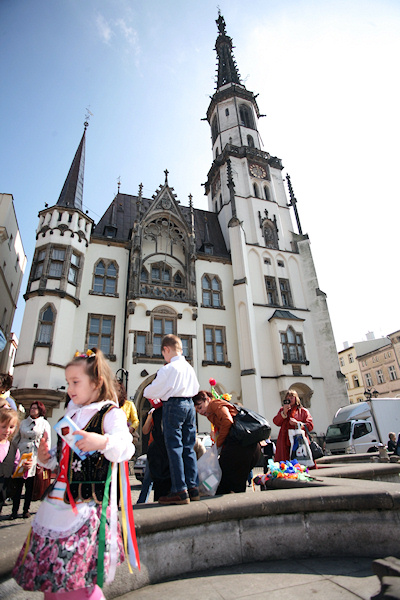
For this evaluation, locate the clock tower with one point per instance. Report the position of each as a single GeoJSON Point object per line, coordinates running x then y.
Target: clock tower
{"type": "Point", "coordinates": [244, 181]}
{"type": "Point", "coordinates": [279, 308]}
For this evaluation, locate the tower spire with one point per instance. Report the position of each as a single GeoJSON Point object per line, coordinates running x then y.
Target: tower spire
{"type": "Point", "coordinates": [227, 67]}
{"type": "Point", "coordinates": [72, 191]}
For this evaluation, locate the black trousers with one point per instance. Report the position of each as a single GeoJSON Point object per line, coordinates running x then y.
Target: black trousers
{"type": "Point", "coordinates": [19, 483]}
{"type": "Point", "coordinates": [236, 462]}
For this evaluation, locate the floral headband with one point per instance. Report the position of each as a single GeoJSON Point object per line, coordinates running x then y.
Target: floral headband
{"type": "Point", "coordinates": [226, 397]}
{"type": "Point", "coordinates": [87, 354]}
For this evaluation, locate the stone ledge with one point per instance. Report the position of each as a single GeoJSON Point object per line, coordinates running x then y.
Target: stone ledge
{"type": "Point", "coordinates": [334, 516]}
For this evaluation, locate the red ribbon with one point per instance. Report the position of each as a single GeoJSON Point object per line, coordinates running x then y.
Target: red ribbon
{"type": "Point", "coordinates": [63, 476]}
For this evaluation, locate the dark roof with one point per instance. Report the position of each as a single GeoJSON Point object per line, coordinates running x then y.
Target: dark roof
{"type": "Point", "coordinates": [284, 314]}
{"type": "Point", "coordinates": [72, 191]}
{"type": "Point", "coordinates": [117, 223]}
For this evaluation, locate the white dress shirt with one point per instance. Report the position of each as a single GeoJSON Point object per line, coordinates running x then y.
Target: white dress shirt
{"type": "Point", "coordinates": [177, 379]}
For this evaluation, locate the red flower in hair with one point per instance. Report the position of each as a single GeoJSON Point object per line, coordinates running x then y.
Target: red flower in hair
{"type": "Point", "coordinates": [212, 382]}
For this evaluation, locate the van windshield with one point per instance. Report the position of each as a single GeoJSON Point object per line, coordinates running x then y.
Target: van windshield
{"type": "Point", "coordinates": [338, 433]}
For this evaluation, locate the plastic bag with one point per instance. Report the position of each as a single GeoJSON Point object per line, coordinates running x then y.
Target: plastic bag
{"type": "Point", "coordinates": [209, 472]}
{"type": "Point", "coordinates": [300, 448]}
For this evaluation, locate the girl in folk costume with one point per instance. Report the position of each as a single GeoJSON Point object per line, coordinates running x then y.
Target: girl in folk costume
{"type": "Point", "coordinates": [9, 453]}
{"type": "Point", "coordinates": [75, 536]}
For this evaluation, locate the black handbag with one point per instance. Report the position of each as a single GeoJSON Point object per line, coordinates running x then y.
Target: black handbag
{"type": "Point", "coordinates": [248, 427]}
{"type": "Point", "coordinates": [316, 450]}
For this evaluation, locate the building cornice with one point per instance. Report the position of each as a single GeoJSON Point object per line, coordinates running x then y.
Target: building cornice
{"type": "Point", "coordinates": [46, 292]}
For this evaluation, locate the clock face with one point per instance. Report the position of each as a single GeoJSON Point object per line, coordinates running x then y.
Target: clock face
{"type": "Point", "coordinates": [258, 171]}
{"type": "Point", "coordinates": [166, 203]}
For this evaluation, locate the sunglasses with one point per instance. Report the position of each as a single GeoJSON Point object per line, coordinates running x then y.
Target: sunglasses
{"type": "Point", "coordinates": [286, 401]}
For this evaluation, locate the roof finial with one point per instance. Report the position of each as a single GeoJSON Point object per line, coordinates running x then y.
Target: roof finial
{"type": "Point", "coordinates": [166, 176]}
{"type": "Point", "coordinates": [119, 182]}
{"type": "Point", "coordinates": [87, 117]}
{"type": "Point", "coordinates": [221, 23]}
{"type": "Point", "coordinates": [227, 68]}
{"type": "Point", "coordinates": [139, 201]}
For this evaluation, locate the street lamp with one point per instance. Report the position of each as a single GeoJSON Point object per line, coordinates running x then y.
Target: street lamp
{"type": "Point", "coordinates": [120, 375]}
{"type": "Point", "coordinates": [370, 393]}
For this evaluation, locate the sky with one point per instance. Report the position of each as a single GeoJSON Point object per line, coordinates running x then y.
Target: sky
{"type": "Point", "coordinates": [327, 77]}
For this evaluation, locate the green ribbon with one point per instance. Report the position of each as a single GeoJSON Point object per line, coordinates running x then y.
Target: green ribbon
{"type": "Point", "coordinates": [102, 531]}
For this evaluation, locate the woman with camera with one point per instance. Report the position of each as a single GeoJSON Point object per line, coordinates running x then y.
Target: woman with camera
{"type": "Point", "coordinates": [292, 415]}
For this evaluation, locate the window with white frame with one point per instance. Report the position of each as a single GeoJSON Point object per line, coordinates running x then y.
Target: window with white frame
{"type": "Point", "coordinates": [368, 380]}
{"type": "Point", "coordinates": [39, 264]}
{"type": "Point", "coordinates": [141, 338]}
{"type": "Point", "coordinates": [286, 294]}
{"type": "Point", "coordinates": [379, 376]}
{"type": "Point", "coordinates": [341, 361]}
{"type": "Point", "coordinates": [392, 373]}
{"type": "Point", "coordinates": [100, 333]}
{"type": "Point", "coordinates": [57, 258]}
{"type": "Point", "coordinates": [356, 381]}
{"type": "Point", "coordinates": [73, 269]}
{"type": "Point", "coordinates": [351, 359]}
{"type": "Point", "coordinates": [293, 349]}
{"type": "Point", "coordinates": [211, 291]}
{"type": "Point", "coordinates": [105, 277]}
{"type": "Point", "coordinates": [214, 344]}
{"type": "Point", "coordinates": [46, 325]}
{"type": "Point", "coordinates": [161, 325]}
{"type": "Point", "coordinates": [272, 293]}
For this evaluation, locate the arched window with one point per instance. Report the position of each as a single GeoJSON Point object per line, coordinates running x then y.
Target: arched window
{"type": "Point", "coordinates": [256, 190]}
{"type": "Point", "coordinates": [250, 141]}
{"type": "Point", "coordinates": [245, 116]}
{"type": "Point", "coordinates": [292, 346]}
{"type": "Point", "coordinates": [267, 193]}
{"type": "Point", "coordinates": [105, 277]}
{"type": "Point", "coordinates": [178, 279]}
{"type": "Point", "coordinates": [163, 322]}
{"type": "Point", "coordinates": [46, 324]}
{"type": "Point", "coordinates": [214, 128]}
{"type": "Point", "coordinates": [211, 291]}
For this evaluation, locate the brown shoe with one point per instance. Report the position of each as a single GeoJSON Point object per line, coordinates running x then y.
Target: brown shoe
{"type": "Point", "coordinates": [194, 494]}
{"type": "Point", "coordinates": [175, 498]}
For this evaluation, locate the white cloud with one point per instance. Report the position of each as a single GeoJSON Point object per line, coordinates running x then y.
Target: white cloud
{"type": "Point", "coordinates": [129, 33]}
{"type": "Point", "coordinates": [104, 29]}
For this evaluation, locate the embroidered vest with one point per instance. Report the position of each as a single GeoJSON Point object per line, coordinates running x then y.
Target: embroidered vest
{"type": "Point", "coordinates": [87, 477]}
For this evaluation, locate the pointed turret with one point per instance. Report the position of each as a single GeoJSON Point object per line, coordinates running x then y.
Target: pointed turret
{"type": "Point", "coordinates": [72, 192]}
{"type": "Point", "coordinates": [227, 68]}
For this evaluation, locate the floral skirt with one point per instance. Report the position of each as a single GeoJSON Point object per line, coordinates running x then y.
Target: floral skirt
{"type": "Point", "coordinates": [67, 563]}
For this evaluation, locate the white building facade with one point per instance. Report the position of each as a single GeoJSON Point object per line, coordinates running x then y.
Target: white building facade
{"type": "Point", "coordinates": [12, 268]}
{"type": "Point", "coordinates": [236, 282]}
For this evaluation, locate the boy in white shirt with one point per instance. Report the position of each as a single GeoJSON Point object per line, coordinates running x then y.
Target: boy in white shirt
{"type": "Point", "coordinates": [176, 384]}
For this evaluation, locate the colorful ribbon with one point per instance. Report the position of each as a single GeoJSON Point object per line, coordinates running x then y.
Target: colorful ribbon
{"type": "Point", "coordinates": [102, 531]}
{"type": "Point", "coordinates": [63, 476]}
{"type": "Point", "coordinates": [128, 523]}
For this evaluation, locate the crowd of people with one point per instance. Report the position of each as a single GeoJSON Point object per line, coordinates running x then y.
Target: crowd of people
{"type": "Point", "coordinates": [76, 523]}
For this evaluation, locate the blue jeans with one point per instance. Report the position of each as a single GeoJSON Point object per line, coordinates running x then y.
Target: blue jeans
{"type": "Point", "coordinates": [147, 486]}
{"type": "Point", "coordinates": [179, 427]}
